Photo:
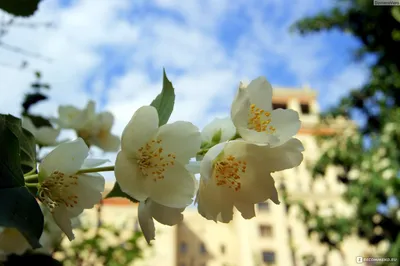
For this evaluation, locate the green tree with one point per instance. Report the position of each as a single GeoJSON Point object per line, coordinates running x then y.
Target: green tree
{"type": "Point", "coordinates": [369, 155]}
{"type": "Point", "coordinates": [104, 243]}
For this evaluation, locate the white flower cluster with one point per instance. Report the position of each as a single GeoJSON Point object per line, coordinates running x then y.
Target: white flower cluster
{"type": "Point", "coordinates": [154, 163]}
{"type": "Point", "coordinates": [234, 173]}
{"type": "Point", "coordinates": [94, 129]}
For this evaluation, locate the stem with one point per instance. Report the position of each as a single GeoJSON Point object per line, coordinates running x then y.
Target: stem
{"type": "Point", "coordinates": [31, 184]}
{"type": "Point", "coordinates": [30, 172]}
{"type": "Point", "coordinates": [82, 171]}
{"type": "Point", "coordinates": [95, 170]}
{"type": "Point", "coordinates": [31, 177]}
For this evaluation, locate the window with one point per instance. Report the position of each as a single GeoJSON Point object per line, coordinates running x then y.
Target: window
{"type": "Point", "coordinates": [268, 256]}
{"type": "Point", "coordinates": [203, 248]}
{"type": "Point", "coordinates": [279, 105]}
{"type": "Point", "coordinates": [305, 108]}
{"type": "Point", "coordinates": [183, 248]}
{"type": "Point", "coordinates": [263, 206]}
{"type": "Point", "coordinates": [222, 248]}
{"type": "Point", "coordinates": [265, 230]}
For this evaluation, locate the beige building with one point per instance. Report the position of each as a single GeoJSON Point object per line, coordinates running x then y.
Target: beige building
{"type": "Point", "coordinates": [274, 237]}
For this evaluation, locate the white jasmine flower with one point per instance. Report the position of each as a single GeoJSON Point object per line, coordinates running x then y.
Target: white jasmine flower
{"type": "Point", "coordinates": [97, 132]}
{"type": "Point", "coordinates": [64, 190]}
{"type": "Point", "coordinates": [152, 161]}
{"type": "Point", "coordinates": [45, 136]}
{"type": "Point", "coordinates": [94, 128]}
{"type": "Point", "coordinates": [74, 118]}
{"type": "Point", "coordinates": [255, 120]}
{"type": "Point", "coordinates": [238, 173]}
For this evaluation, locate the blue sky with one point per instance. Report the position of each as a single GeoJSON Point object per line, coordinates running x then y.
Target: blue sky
{"type": "Point", "coordinates": [113, 52]}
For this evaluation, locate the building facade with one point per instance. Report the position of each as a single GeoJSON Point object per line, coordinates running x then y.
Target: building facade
{"type": "Point", "coordinates": [275, 236]}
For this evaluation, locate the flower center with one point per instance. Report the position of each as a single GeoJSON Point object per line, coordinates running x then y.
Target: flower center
{"type": "Point", "coordinates": [103, 134]}
{"type": "Point", "coordinates": [152, 161]}
{"type": "Point", "coordinates": [227, 172]}
{"type": "Point", "coordinates": [84, 134]}
{"type": "Point", "coordinates": [259, 120]}
{"type": "Point", "coordinates": [58, 189]}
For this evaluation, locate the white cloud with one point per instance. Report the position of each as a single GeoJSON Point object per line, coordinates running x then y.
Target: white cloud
{"type": "Point", "coordinates": [182, 36]}
{"type": "Point", "coordinates": [73, 47]}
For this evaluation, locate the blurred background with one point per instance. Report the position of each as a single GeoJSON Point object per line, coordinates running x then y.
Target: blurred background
{"type": "Point", "coordinates": [336, 62]}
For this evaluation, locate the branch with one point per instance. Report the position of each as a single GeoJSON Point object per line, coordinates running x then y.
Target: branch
{"type": "Point", "coordinates": [33, 25]}
{"type": "Point", "coordinates": [20, 67]}
{"type": "Point", "coordinates": [23, 51]}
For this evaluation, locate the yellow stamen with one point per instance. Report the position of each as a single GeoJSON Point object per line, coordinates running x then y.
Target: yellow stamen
{"type": "Point", "coordinates": [152, 161]}
{"type": "Point", "coordinates": [228, 171]}
{"type": "Point", "coordinates": [259, 120]}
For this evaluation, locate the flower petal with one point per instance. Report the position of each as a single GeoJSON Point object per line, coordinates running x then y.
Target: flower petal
{"type": "Point", "coordinates": [52, 234]}
{"type": "Point", "coordinates": [285, 156]}
{"type": "Point", "coordinates": [90, 162]}
{"type": "Point", "coordinates": [68, 116]}
{"type": "Point", "coordinates": [212, 204]}
{"type": "Point", "coordinates": [106, 119]}
{"type": "Point", "coordinates": [257, 184]}
{"type": "Point", "coordinates": [146, 222]}
{"type": "Point", "coordinates": [226, 212]}
{"type": "Point", "coordinates": [206, 165]}
{"type": "Point", "coordinates": [226, 126]}
{"type": "Point", "coordinates": [89, 189]}
{"type": "Point", "coordinates": [207, 199]}
{"type": "Point", "coordinates": [63, 220]}
{"type": "Point", "coordinates": [246, 209]}
{"type": "Point", "coordinates": [176, 190]}
{"type": "Point", "coordinates": [47, 135]}
{"type": "Point", "coordinates": [175, 134]}
{"type": "Point", "coordinates": [13, 242]}
{"type": "Point", "coordinates": [240, 108]}
{"type": "Point", "coordinates": [257, 137]}
{"type": "Point", "coordinates": [140, 129]}
{"type": "Point", "coordinates": [164, 214]}
{"type": "Point", "coordinates": [287, 124]}
{"type": "Point", "coordinates": [109, 143]}
{"type": "Point", "coordinates": [67, 158]}
{"type": "Point", "coordinates": [129, 177]}
{"type": "Point", "coordinates": [193, 167]}
{"type": "Point", "coordinates": [260, 93]}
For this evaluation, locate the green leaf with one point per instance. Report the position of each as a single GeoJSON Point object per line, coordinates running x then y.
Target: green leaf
{"type": "Point", "coordinates": [20, 210]}
{"type": "Point", "coordinates": [116, 192]}
{"type": "Point", "coordinates": [396, 13]}
{"type": "Point", "coordinates": [32, 99]}
{"type": "Point", "coordinates": [164, 102]}
{"type": "Point", "coordinates": [38, 74]}
{"type": "Point", "coordinates": [217, 137]}
{"type": "Point", "coordinates": [39, 121]}
{"type": "Point", "coordinates": [26, 142]}
{"type": "Point", "coordinates": [10, 170]}
{"type": "Point", "coordinates": [20, 8]}
{"type": "Point", "coordinates": [396, 35]}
